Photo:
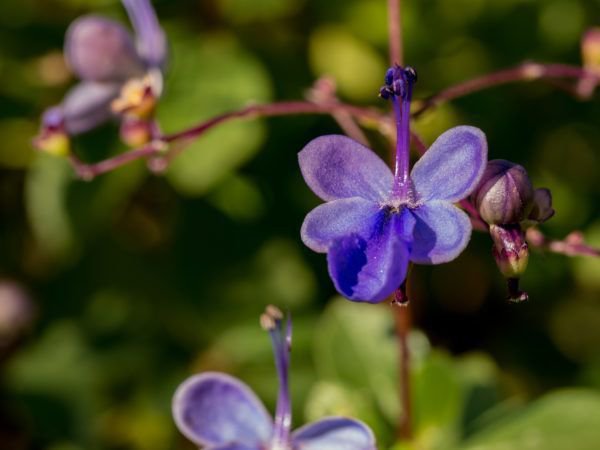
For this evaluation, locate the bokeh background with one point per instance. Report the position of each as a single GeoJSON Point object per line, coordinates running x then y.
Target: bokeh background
{"type": "Point", "coordinates": [113, 291]}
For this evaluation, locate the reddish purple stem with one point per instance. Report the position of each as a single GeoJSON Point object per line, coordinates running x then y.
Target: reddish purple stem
{"type": "Point", "coordinates": [528, 71]}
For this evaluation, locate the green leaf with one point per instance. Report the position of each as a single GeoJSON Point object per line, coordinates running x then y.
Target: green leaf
{"type": "Point", "coordinates": [328, 398]}
{"type": "Point", "coordinates": [220, 77]}
{"type": "Point", "coordinates": [45, 199]}
{"type": "Point", "coordinates": [567, 419]}
{"type": "Point", "coordinates": [437, 401]}
{"type": "Point", "coordinates": [355, 345]}
{"type": "Point", "coordinates": [245, 11]}
{"type": "Point", "coordinates": [355, 65]}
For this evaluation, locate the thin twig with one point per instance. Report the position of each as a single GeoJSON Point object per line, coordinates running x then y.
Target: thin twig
{"type": "Point", "coordinates": [572, 245]}
{"type": "Point", "coordinates": [528, 71]}
{"type": "Point", "coordinates": [278, 109]}
{"type": "Point", "coordinates": [324, 91]}
{"type": "Point", "coordinates": [158, 147]}
{"type": "Point", "coordinates": [403, 325]}
{"type": "Point", "coordinates": [395, 32]}
{"type": "Point", "coordinates": [88, 172]}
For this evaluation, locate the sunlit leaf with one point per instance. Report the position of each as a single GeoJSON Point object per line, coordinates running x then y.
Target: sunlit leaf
{"type": "Point", "coordinates": [220, 77]}
{"type": "Point", "coordinates": [356, 67]}
{"type": "Point", "coordinates": [45, 198]}
{"type": "Point", "coordinates": [568, 419]}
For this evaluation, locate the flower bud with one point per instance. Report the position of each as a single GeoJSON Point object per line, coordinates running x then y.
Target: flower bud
{"type": "Point", "coordinates": [504, 194]}
{"type": "Point", "coordinates": [510, 249]}
{"type": "Point", "coordinates": [511, 254]}
{"type": "Point", "coordinates": [135, 132]}
{"type": "Point", "coordinates": [542, 206]}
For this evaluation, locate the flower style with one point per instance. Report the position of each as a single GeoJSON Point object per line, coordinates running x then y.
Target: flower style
{"type": "Point", "coordinates": [374, 222]}
{"type": "Point", "coordinates": [219, 412]}
{"type": "Point", "coordinates": [118, 76]}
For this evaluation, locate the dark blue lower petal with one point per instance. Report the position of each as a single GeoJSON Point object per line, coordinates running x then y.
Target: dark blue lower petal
{"type": "Point", "coordinates": [346, 259]}
{"type": "Point", "coordinates": [370, 269]}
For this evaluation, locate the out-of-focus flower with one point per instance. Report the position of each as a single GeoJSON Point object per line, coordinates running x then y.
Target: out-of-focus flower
{"type": "Point", "coordinates": [16, 311]}
{"type": "Point", "coordinates": [119, 76]}
{"type": "Point", "coordinates": [219, 412]}
{"type": "Point", "coordinates": [590, 55]}
{"type": "Point", "coordinates": [375, 222]}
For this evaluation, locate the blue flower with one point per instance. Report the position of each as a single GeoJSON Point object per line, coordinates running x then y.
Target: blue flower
{"type": "Point", "coordinates": [119, 76]}
{"type": "Point", "coordinates": [219, 412]}
{"type": "Point", "coordinates": [374, 222]}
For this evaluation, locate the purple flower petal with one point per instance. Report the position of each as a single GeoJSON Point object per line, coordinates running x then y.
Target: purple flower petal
{"type": "Point", "coordinates": [99, 49]}
{"type": "Point", "coordinates": [151, 40]}
{"type": "Point", "coordinates": [452, 166]}
{"type": "Point", "coordinates": [441, 233]}
{"type": "Point", "coordinates": [370, 269]}
{"type": "Point", "coordinates": [336, 219]}
{"type": "Point", "coordinates": [217, 410]}
{"type": "Point", "coordinates": [334, 433]}
{"type": "Point", "coordinates": [236, 446]}
{"type": "Point", "coordinates": [87, 105]}
{"type": "Point", "coordinates": [337, 167]}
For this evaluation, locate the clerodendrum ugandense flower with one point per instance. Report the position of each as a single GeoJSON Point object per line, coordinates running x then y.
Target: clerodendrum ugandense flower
{"type": "Point", "coordinates": [219, 412]}
{"type": "Point", "coordinates": [375, 222]}
{"type": "Point", "coordinates": [119, 76]}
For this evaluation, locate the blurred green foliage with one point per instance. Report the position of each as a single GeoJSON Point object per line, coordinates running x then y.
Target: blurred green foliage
{"type": "Point", "coordinates": [140, 280]}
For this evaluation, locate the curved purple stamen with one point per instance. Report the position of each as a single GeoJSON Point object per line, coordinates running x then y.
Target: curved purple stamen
{"type": "Point", "coordinates": [281, 340]}
{"type": "Point", "coordinates": [399, 84]}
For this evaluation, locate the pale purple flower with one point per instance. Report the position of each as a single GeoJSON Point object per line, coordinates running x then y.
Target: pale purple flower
{"type": "Point", "coordinates": [375, 222]}
{"type": "Point", "coordinates": [219, 412]}
{"type": "Point", "coordinates": [105, 57]}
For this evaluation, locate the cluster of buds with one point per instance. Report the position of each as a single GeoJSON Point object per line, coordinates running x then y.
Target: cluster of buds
{"type": "Point", "coordinates": [120, 78]}
{"type": "Point", "coordinates": [508, 203]}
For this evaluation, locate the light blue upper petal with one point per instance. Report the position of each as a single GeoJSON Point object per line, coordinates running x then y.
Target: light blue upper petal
{"type": "Point", "coordinates": [87, 105]}
{"type": "Point", "coordinates": [441, 232]}
{"type": "Point", "coordinates": [336, 219]}
{"type": "Point", "coordinates": [236, 446]}
{"type": "Point", "coordinates": [336, 167]}
{"type": "Point", "coordinates": [219, 411]}
{"type": "Point", "coordinates": [100, 49]}
{"type": "Point", "coordinates": [334, 433]}
{"type": "Point", "coordinates": [452, 166]}
{"type": "Point", "coordinates": [370, 268]}
{"type": "Point", "coordinates": [151, 40]}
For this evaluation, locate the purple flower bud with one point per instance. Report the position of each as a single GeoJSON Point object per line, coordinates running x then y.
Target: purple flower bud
{"type": "Point", "coordinates": [542, 205]}
{"type": "Point", "coordinates": [99, 49]}
{"type": "Point", "coordinates": [510, 249]}
{"type": "Point", "coordinates": [512, 255]}
{"type": "Point", "coordinates": [504, 194]}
